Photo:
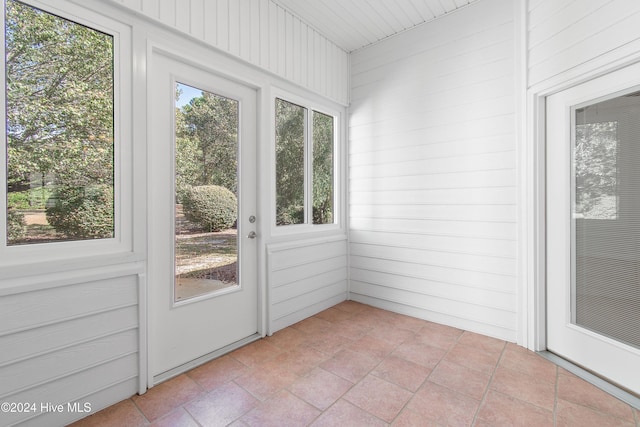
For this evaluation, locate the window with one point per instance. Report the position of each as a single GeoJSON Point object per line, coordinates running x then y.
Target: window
{"type": "Point", "coordinates": [59, 87]}
{"type": "Point", "coordinates": [206, 189]}
{"type": "Point", "coordinates": [305, 165]}
{"type": "Point", "coordinates": [596, 169]}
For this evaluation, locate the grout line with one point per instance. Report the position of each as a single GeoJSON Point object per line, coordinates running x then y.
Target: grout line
{"type": "Point", "coordinates": [555, 398]}
{"type": "Point", "coordinates": [488, 388]}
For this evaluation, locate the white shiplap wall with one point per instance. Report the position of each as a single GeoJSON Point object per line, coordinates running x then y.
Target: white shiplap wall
{"type": "Point", "coordinates": [305, 278]}
{"type": "Point", "coordinates": [564, 35]}
{"type": "Point", "coordinates": [259, 32]}
{"type": "Point", "coordinates": [433, 171]}
{"type": "Point", "coordinates": [73, 343]}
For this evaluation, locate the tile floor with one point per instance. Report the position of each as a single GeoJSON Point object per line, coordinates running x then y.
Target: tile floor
{"type": "Point", "coordinates": [355, 365]}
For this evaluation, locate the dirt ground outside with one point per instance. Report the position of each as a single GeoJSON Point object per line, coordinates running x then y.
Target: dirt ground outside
{"type": "Point", "coordinates": [205, 261]}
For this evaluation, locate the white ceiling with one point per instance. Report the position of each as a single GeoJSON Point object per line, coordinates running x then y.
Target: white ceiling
{"type": "Point", "coordinates": [352, 24]}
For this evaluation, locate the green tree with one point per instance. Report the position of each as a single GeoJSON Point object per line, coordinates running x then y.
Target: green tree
{"type": "Point", "coordinates": [322, 168]}
{"type": "Point", "coordinates": [60, 109]}
{"type": "Point", "coordinates": [188, 166]}
{"type": "Point", "coordinates": [207, 142]}
{"type": "Point", "coordinates": [290, 136]}
{"type": "Point", "coordinates": [59, 97]}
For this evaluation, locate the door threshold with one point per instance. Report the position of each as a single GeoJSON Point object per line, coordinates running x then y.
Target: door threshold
{"type": "Point", "coordinates": [157, 379]}
{"type": "Point", "coordinates": [602, 384]}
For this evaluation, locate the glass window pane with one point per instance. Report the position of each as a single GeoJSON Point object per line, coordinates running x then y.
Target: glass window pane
{"type": "Point", "coordinates": [60, 128]}
{"type": "Point", "coordinates": [323, 132]}
{"type": "Point", "coordinates": [606, 154]}
{"type": "Point", "coordinates": [206, 184]}
{"type": "Point", "coordinates": [290, 138]}
{"type": "Point", "coordinates": [596, 171]}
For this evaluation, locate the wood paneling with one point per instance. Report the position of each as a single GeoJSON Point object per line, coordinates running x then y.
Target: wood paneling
{"type": "Point", "coordinates": [262, 33]}
{"type": "Point", "coordinates": [565, 35]}
{"type": "Point", "coordinates": [355, 24]}
{"type": "Point", "coordinates": [305, 278]}
{"type": "Point", "coordinates": [432, 164]}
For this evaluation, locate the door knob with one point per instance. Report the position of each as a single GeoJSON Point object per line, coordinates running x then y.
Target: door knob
{"type": "Point", "coordinates": [252, 235]}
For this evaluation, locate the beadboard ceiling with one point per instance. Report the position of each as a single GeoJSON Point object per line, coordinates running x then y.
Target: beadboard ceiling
{"type": "Point", "coordinates": [353, 24]}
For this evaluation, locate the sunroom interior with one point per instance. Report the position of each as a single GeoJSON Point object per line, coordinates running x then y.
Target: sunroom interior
{"type": "Point", "coordinates": [438, 184]}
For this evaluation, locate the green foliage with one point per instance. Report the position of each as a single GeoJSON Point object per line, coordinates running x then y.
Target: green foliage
{"type": "Point", "coordinates": [212, 207]}
{"type": "Point", "coordinates": [59, 106]}
{"type": "Point", "coordinates": [188, 167]}
{"type": "Point", "coordinates": [290, 137]}
{"type": "Point", "coordinates": [290, 165]}
{"type": "Point", "coordinates": [292, 214]}
{"type": "Point", "coordinates": [18, 200]}
{"type": "Point", "coordinates": [38, 197]}
{"type": "Point", "coordinates": [84, 213]}
{"type": "Point", "coordinates": [35, 198]}
{"type": "Point", "coordinates": [207, 143]}
{"type": "Point", "coordinates": [322, 168]}
{"type": "Point", "coordinates": [16, 227]}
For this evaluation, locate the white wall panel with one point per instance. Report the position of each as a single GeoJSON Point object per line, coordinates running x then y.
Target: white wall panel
{"type": "Point", "coordinates": [567, 35]}
{"type": "Point", "coordinates": [66, 343]}
{"type": "Point", "coordinates": [305, 278]}
{"type": "Point", "coordinates": [433, 177]}
{"type": "Point", "coordinates": [261, 33]}
{"type": "Point", "coordinates": [456, 244]}
{"type": "Point", "coordinates": [85, 386]}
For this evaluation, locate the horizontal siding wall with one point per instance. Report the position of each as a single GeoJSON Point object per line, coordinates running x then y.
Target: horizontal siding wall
{"type": "Point", "coordinates": [433, 171]}
{"type": "Point", "coordinates": [305, 278]}
{"type": "Point", "coordinates": [72, 343]}
{"type": "Point", "coordinates": [261, 33]}
{"type": "Point", "coordinates": [566, 34]}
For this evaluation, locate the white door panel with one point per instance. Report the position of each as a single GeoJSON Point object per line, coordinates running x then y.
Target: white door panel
{"type": "Point", "coordinates": [593, 226]}
{"type": "Point", "coordinates": [195, 309]}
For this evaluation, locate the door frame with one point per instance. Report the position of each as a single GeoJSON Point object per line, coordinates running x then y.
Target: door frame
{"type": "Point", "coordinates": [532, 185]}
{"type": "Point", "coordinates": [215, 63]}
{"type": "Point", "coordinates": [533, 201]}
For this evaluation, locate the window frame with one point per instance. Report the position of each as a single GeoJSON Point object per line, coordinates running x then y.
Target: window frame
{"type": "Point", "coordinates": [310, 103]}
{"type": "Point", "coordinates": [122, 243]}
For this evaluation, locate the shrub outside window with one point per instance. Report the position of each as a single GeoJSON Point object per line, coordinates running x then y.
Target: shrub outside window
{"type": "Point", "coordinates": [305, 165]}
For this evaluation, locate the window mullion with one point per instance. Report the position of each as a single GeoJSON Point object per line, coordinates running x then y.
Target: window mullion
{"type": "Point", "coordinates": [308, 167]}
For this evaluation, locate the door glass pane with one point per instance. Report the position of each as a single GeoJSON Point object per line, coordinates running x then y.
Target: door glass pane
{"type": "Point", "coordinates": [290, 137]}
{"type": "Point", "coordinates": [206, 190]}
{"type": "Point", "coordinates": [606, 214]}
{"type": "Point", "coordinates": [59, 128]}
{"type": "Point", "coordinates": [322, 168]}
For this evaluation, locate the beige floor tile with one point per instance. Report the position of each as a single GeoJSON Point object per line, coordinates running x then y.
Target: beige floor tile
{"type": "Point", "coordinates": [320, 388]}
{"type": "Point", "coordinates": [346, 414]}
{"type": "Point", "coordinates": [443, 405]}
{"type": "Point", "coordinates": [402, 372]}
{"type": "Point", "coordinates": [282, 410]}
{"type": "Point", "coordinates": [355, 365]}
{"type": "Point", "coordinates": [217, 372]}
{"type": "Point", "coordinates": [123, 413]}
{"type": "Point", "coordinates": [524, 387]}
{"type": "Point", "coordinates": [165, 397]}
{"type": "Point", "coordinates": [501, 410]}
{"type": "Point", "coordinates": [378, 397]}
{"type": "Point", "coordinates": [461, 379]}
{"type": "Point", "coordinates": [221, 406]}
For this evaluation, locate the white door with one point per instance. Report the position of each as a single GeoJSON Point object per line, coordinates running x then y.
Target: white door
{"type": "Point", "coordinates": [203, 296]}
{"type": "Point", "coordinates": [593, 226]}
